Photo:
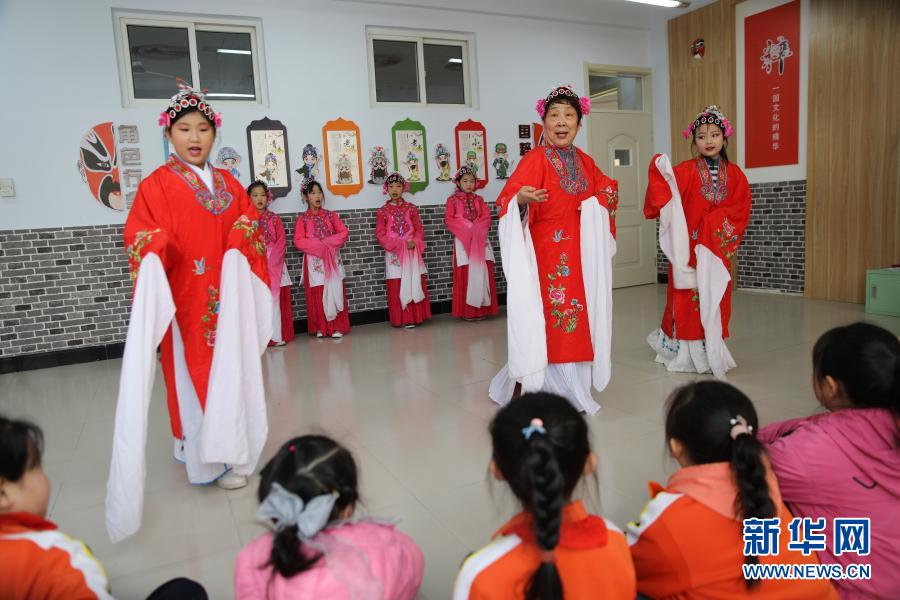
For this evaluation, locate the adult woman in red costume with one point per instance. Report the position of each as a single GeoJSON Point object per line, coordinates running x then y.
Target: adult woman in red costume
{"type": "Point", "coordinates": [557, 240]}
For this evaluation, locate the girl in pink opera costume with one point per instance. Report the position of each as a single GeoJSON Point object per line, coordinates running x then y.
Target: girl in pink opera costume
{"type": "Point", "coordinates": [320, 234]}
{"type": "Point", "coordinates": [399, 231]}
{"type": "Point", "coordinates": [469, 219]}
{"type": "Point", "coordinates": [272, 229]}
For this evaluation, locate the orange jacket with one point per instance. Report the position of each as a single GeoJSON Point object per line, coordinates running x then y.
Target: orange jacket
{"type": "Point", "coordinates": [39, 562]}
{"type": "Point", "coordinates": [592, 558]}
{"type": "Point", "coordinates": [689, 542]}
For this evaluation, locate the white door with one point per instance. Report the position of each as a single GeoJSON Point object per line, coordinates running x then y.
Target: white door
{"type": "Point", "coordinates": [621, 145]}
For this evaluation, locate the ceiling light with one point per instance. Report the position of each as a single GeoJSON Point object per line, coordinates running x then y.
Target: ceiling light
{"type": "Point", "coordinates": [230, 51]}
{"type": "Point", "coordinates": [664, 3]}
{"type": "Point", "coordinates": [455, 60]}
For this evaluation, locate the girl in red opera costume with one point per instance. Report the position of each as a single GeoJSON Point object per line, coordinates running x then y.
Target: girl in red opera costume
{"type": "Point", "coordinates": [272, 228]}
{"type": "Point", "coordinates": [469, 219]}
{"type": "Point", "coordinates": [399, 231]}
{"type": "Point", "coordinates": [557, 240]}
{"type": "Point", "coordinates": [703, 206]}
{"type": "Point", "coordinates": [202, 294]}
{"type": "Point", "coordinates": [320, 234]}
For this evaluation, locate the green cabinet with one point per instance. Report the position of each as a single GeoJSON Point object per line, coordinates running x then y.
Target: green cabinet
{"type": "Point", "coordinates": [883, 292]}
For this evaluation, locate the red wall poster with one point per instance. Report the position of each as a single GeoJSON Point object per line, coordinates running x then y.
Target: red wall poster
{"type": "Point", "coordinates": [772, 86]}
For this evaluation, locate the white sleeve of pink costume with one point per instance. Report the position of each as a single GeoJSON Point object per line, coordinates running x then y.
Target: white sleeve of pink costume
{"type": "Point", "coordinates": [526, 334]}
{"type": "Point", "coordinates": [234, 423]}
{"type": "Point", "coordinates": [598, 247]}
{"type": "Point", "coordinates": [673, 234]}
{"type": "Point", "coordinates": [712, 281]}
{"type": "Point", "coordinates": [152, 311]}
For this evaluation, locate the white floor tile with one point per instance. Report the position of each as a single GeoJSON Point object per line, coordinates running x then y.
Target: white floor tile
{"type": "Point", "coordinates": [413, 408]}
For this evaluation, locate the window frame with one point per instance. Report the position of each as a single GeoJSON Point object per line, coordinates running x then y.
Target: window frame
{"type": "Point", "coordinates": [193, 24]}
{"type": "Point", "coordinates": [432, 38]}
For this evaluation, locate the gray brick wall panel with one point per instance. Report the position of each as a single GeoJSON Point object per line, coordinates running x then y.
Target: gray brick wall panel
{"type": "Point", "coordinates": [69, 287]}
{"type": "Point", "coordinates": [773, 252]}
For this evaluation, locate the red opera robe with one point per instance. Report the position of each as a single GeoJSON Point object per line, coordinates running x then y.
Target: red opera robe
{"type": "Point", "coordinates": [558, 265]}
{"type": "Point", "coordinates": [320, 237]}
{"type": "Point", "coordinates": [272, 228]}
{"type": "Point", "coordinates": [202, 295]}
{"type": "Point", "coordinates": [404, 269]}
{"type": "Point", "coordinates": [474, 290]}
{"type": "Point", "coordinates": [701, 226]}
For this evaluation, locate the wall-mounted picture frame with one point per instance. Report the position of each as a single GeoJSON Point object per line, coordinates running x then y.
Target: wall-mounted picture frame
{"type": "Point", "coordinates": [410, 153]}
{"type": "Point", "coordinates": [269, 156]}
{"type": "Point", "coordinates": [537, 134]}
{"type": "Point", "coordinates": [471, 144]}
{"type": "Point", "coordinates": [343, 157]}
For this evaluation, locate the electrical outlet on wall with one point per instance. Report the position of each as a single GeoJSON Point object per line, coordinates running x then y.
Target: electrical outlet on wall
{"type": "Point", "coordinates": [7, 188]}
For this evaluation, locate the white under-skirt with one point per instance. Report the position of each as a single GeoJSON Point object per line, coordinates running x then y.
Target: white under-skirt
{"type": "Point", "coordinates": [684, 356]}
{"type": "Point", "coordinates": [572, 381]}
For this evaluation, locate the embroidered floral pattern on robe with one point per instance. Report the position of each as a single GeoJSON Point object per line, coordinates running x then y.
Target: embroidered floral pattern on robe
{"type": "Point", "coordinates": [568, 166]}
{"type": "Point", "coordinates": [141, 239]}
{"type": "Point", "coordinates": [714, 193]}
{"type": "Point", "coordinates": [217, 201]}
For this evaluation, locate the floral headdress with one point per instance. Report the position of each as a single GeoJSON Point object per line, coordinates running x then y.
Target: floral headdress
{"type": "Point", "coordinates": [461, 172]}
{"type": "Point", "coordinates": [711, 115]}
{"type": "Point", "coordinates": [188, 97]}
{"type": "Point", "coordinates": [584, 102]}
{"type": "Point", "coordinates": [306, 184]}
{"type": "Point", "coordinates": [395, 178]}
{"type": "Point", "coordinates": [441, 150]}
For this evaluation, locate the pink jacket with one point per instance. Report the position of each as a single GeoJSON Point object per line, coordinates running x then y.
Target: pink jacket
{"type": "Point", "coordinates": [845, 464]}
{"type": "Point", "coordinates": [393, 559]}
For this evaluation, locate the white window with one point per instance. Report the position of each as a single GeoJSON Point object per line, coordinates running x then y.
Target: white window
{"type": "Point", "coordinates": [222, 55]}
{"type": "Point", "coordinates": [419, 68]}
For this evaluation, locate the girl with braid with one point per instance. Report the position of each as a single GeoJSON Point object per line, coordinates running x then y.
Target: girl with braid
{"type": "Point", "coordinates": [690, 540]}
{"type": "Point", "coordinates": [553, 549]}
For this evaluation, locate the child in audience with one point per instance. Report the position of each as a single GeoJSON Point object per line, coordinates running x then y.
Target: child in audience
{"type": "Point", "coordinates": [37, 561]}
{"type": "Point", "coordinates": [272, 229]}
{"type": "Point", "coordinates": [689, 542]}
{"type": "Point", "coordinates": [320, 234]}
{"type": "Point", "coordinates": [553, 549]}
{"type": "Point", "coordinates": [399, 231]}
{"type": "Point", "coordinates": [318, 548]}
{"type": "Point", "coordinates": [845, 463]}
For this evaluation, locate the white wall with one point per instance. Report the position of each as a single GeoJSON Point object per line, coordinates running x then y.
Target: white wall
{"type": "Point", "coordinates": [62, 78]}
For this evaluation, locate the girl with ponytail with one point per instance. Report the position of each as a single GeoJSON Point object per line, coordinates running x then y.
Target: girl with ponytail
{"type": "Point", "coordinates": [689, 540]}
{"type": "Point", "coordinates": [318, 548]}
{"type": "Point", "coordinates": [554, 549]}
{"type": "Point", "coordinates": [846, 462]}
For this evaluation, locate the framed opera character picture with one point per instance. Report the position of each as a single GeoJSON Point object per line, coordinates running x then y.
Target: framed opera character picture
{"type": "Point", "coordinates": [267, 145]}
{"type": "Point", "coordinates": [471, 141]}
{"type": "Point", "coordinates": [343, 157]}
{"type": "Point", "coordinates": [410, 154]}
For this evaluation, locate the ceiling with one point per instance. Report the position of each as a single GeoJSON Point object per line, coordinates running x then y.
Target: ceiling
{"type": "Point", "coordinates": [594, 12]}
